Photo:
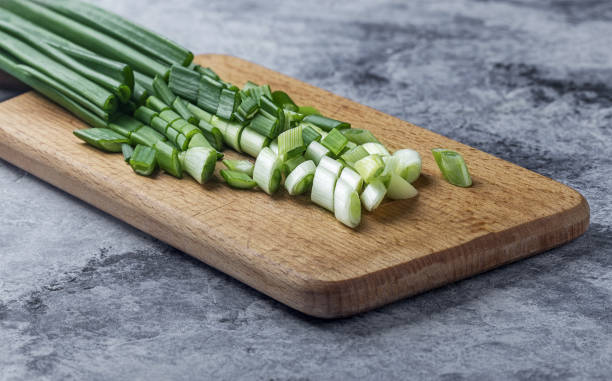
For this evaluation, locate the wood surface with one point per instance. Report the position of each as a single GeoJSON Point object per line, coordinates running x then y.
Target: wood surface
{"type": "Point", "coordinates": [287, 247]}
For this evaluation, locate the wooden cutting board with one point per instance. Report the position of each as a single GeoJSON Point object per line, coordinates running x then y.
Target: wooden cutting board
{"type": "Point", "coordinates": [287, 247]}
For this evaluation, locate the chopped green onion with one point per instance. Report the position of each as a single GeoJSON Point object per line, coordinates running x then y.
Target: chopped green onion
{"type": "Point", "coordinates": [125, 125]}
{"type": "Point", "coordinates": [331, 165]}
{"type": "Point", "coordinates": [238, 180]}
{"type": "Point", "coordinates": [257, 92]}
{"type": "Point", "coordinates": [354, 155]}
{"type": "Point", "coordinates": [169, 116]}
{"type": "Point", "coordinates": [180, 106]}
{"type": "Point", "coordinates": [243, 166]}
{"type": "Point", "coordinates": [199, 162]}
{"type": "Point", "coordinates": [323, 186]}
{"type": "Point", "coordinates": [408, 164]}
{"type": "Point", "coordinates": [143, 39]}
{"type": "Point", "coordinates": [376, 149]}
{"type": "Point", "coordinates": [102, 138]}
{"type": "Point", "coordinates": [315, 152]}
{"type": "Point", "coordinates": [212, 134]}
{"type": "Point", "coordinates": [127, 151]}
{"type": "Point", "coordinates": [309, 134]}
{"type": "Point", "coordinates": [199, 113]}
{"type": "Point", "coordinates": [248, 107]}
{"type": "Point", "coordinates": [144, 81]}
{"type": "Point", "coordinates": [209, 94]}
{"type": "Point", "coordinates": [160, 125]}
{"type": "Point", "coordinates": [267, 172]}
{"type": "Point", "coordinates": [207, 72]}
{"type": "Point", "coordinates": [143, 160]}
{"type": "Point", "coordinates": [167, 158]}
{"type": "Point", "coordinates": [172, 134]}
{"type": "Point", "coordinates": [86, 36]}
{"type": "Point", "coordinates": [162, 91]}
{"type": "Point", "coordinates": [231, 132]}
{"type": "Point", "coordinates": [265, 125]}
{"type": "Point", "coordinates": [308, 110]}
{"type": "Point", "coordinates": [182, 142]}
{"type": "Point", "coordinates": [290, 164]}
{"type": "Point", "coordinates": [185, 128]}
{"type": "Point", "coordinates": [282, 100]}
{"type": "Point", "coordinates": [156, 104]}
{"type": "Point", "coordinates": [252, 142]}
{"type": "Point", "coordinates": [370, 167]}
{"type": "Point", "coordinates": [334, 142]}
{"type": "Point", "coordinates": [359, 136]}
{"type": "Point", "coordinates": [184, 82]}
{"type": "Point", "coordinates": [347, 206]}
{"type": "Point", "coordinates": [400, 189]}
{"type": "Point", "coordinates": [145, 114]}
{"type": "Point", "coordinates": [390, 168]}
{"type": "Point", "coordinates": [373, 195]}
{"type": "Point", "coordinates": [274, 146]}
{"type": "Point", "coordinates": [147, 136]}
{"type": "Point", "coordinates": [300, 179]}
{"type": "Point", "coordinates": [198, 140]}
{"type": "Point", "coordinates": [327, 124]}
{"type": "Point", "coordinates": [352, 178]}
{"type": "Point", "coordinates": [453, 167]}
{"type": "Point", "coordinates": [290, 143]}
{"type": "Point", "coordinates": [227, 104]}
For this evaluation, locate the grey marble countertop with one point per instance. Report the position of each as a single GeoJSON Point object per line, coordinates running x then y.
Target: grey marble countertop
{"type": "Point", "coordinates": [85, 296]}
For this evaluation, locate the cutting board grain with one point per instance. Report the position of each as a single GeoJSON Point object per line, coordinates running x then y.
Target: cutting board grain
{"type": "Point", "coordinates": [291, 249]}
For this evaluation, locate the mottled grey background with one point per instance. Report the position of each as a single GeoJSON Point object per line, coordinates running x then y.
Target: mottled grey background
{"type": "Point", "coordinates": [84, 296]}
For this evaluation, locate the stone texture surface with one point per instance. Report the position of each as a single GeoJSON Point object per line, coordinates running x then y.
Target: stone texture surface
{"type": "Point", "coordinates": [84, 296]}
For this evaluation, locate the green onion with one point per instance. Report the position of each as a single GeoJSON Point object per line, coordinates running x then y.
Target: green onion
{"type": "Point", "coordinates": [102, 138]}
{"type": "Point", "coordinates": [111, 24]}
{"type": "Point", "coordinates": [359, 136]}
{"type": "Point", "coordinates": [331, 165]}
{"type": "Point", "coordinates": [347, 206]}
{"type": "Point", "coordinates": [252, 142]}
{"type": "Point", "coordinates": [212, 134]}
{"type": "Point", "coordinates": [390, 168]}
{"type": "Point", "coordinates": [267, 172]}
{"type": "Point", "coordinates": [376, 149]}
{"type": "Point", "coordinates": [209, 94]}
{"type": "Point", "coordinates": [274, 146]}
{"type": "Point", "coordinates": [327, 124]}
{"type": "Point", "coordinates": [85, 36]}
{"type": "Point", "coordinates": [184, 82]}
{"type": "Point", "coordinates": [400, 189]}
{"type": "Point", "coordinates": [145, 114]}
{"type": "Point", "coordinates": [258, 92]}
{"type": "Point", "coordinates": [300, 179]}
{"type": "Point", "coordinates": [160, 126]}
{"type": "Point", "coordinates": [156, 104]}
{"type": "Point", "coordinates": [453, 167]}
{"type": "Point", "coordinates": [207, 72]}
{"type": "Point", "coordinates": [140, 94]}
{"type": "Point", "coordinates": [162, 91]}
{"type": "Point", "coordinates": [308, 110]}
{"type": "Point", "coordinates": [185, 128]}
{"type": "Point", "coordinates": [282, 100]}
{"type": "Point", "coordinates": [231, 132]}
{"type": "Point", "coordinates": [143, 160]}
{"type": "Point", "coordinates": [169, 116]}
{"type": "Point", "coordinates": [354, 155]}
{"type": "Point", "coordinates": [323, 186]}
{"type": "Point", "coordinates": [147, 136]}
{"type": "Point", "coordinates": [91, 91]}
{"type": "Point", "coordinates": [227, 104]}
{"type": "Point", "coordinates": [199, 113]}
{"type": "Point", "coordinates": [309, 134]}
{"type": "Point", "coordinates": [243, 166]}
{"type": "Point", "coordinates": [370, 167]}
{"type": "Point", "coordinates": [238, 180]}
{"type": "Point", "coordinates": [127, 151]}
{"type": "Point", "coordinates": [167, 158]}
{"type": "Point", "coordinates": [125, 125]}
{"type": "Point", "coordinates": [408, 164]}
{"type": "Point", "coordinates": [373, 194]}
{"type": "Point", "coordinates": [248, 107]}
{"type": "Point", "coordinates": [144, 81]}
{"type": "Point", "coordinates": [290, 143]}
{"type": "Point", "coordinates": [351, 178]}
{"type": "Point", "coordinates": [182, 142]}
{"type": "Point", "coordinates": [171, 133]}
{"type": "Point", "coordinates": [180, 106]}
{"type": "Point", "coordinates": [291, 164]}
{"type": "Point", "coordinates": [265, 125]}
{"type": "Point", "coordinates": [199, 162]}
{"type": "Point", "coordinates": [292, 119]}
{"type": "Point", "coordinates": [198, 140]}
{"type": "Point", "coordinates": [315, 152]}
{"type": "Point", "coordinates": [334, 142]}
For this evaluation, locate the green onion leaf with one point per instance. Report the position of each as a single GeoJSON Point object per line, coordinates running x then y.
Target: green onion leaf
{"type": "Point", "coordinates": [185, 128]}
{"type": "Point", "coordinates": [125, 125]}
{"type": "Point", "coordinates": [212, 134]}
{"type": "Point", "coordinates": [243, 166]}
{"type": "Point", "coordinates": [290, 164]}
{"type": "Point", "coordinates": [370, 167]}
{"type": "Point", "coordinates": [327, 124]}
{"type": "Point", "coordinates": [160, 126]}
{"type": "Point", "coordinates": [347, 206]}
{"type": "Point", "coordinates": [334, 142]}
{"type": "Point", "coordinates": [248, 107]}
{"type": "Point", "coordinates": [198, 140]}
{"type": "Point", "coordinates": [315, 152]}
{"type": "Point", "coordinates": [227, 104]}
{"type": "Point", "coordinates": [308, 110]}
{"type": "Point", "coordinates": [309, 134]}
{"type": "Point", "coordinates": [199, 113]}
{"type": "Point", "coordinates": [102, 138]}
{"type": "Point", "coordinates": [359, 136]}
{"type": "Point", "coordinates": [156, 104]}
{"type": "Point", "coordinates": [354, 155]}
{"type": "Point", "coordinates": [180, 106]}
{"type": "Point", "coordinates": [199, 162]}
{"type": "Point", "coordinates": [238, 180]}
{"type": "Point", "coordinates": [207, 72]}
{"type": "Point", "coordinates": [265, 125]}
{"type": "Point", "coordinates": [300, 179]}
{"type": "Point", "coordinates": [453, 167]}
{"type": "Point", "coordinates": [373, 194]}
{"type": "Point", "coordinates": [282, 100]}
{"type": "Point", "coordinates": [167, 158]}
{"type": "Point", "coordinates": [145, 114]}
{"type": "Point", "coordinates": [169, 116]}
{"type": "Point", "coordinates": [143, 160]}
{"type": "Point", "coordinates": [267, 172]}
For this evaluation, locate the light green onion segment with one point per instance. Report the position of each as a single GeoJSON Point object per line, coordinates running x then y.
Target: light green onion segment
{"type": "Point", "coordinates": [347, 206]}
{"type": "Point", "coordinates": [453, 167]}
{"type": "Point", "coordinates": [323, 186]}
{"type": "Point", "coordinates": [370, 167]}
{"type": "Point", "coordinates": [267, 171]}
{"type": "Point", "coordinates": [199, 162]}
{"type": "Point", "coordinates": [376, 149]}
{"type": "Point", "coordinates": [300, 179]}
{"type": "Point", "coordinates": [408, 164]}
{"type": "Point", "coordinates": [315, 152]}
{"type": "Point", "coordinates": [243, 166]}
{"type": "Point", "coordinates": [238, 180]}
{"type": "Point", "coordinates": [373, 195]}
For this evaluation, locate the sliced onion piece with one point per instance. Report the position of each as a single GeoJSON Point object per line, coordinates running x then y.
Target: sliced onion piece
{"type": "Point", "coordinates": [352, 178]}
{"type": "Point", "coordinates": [400, 189]}
{"type": "Point", "coordinates": [408, 164]}
{"type": "Point", "coordinates": [300, 179]}
{"type": "Point", "coordinates": [331, 165]}
{"type": "Point", "coordinates": [267, 171]}
{"type": "Point", "coordinates": [376, 149]}
{"type": "Point", "coordinates": [373, 195]}
{"type": "Point", "coordinates": [252, 142]}
{"type": "Point", "coordinates": [315, 152]}
{"type": "Point", "coordinates": [323, 186]}
{"type": "Point", "coordinates": [199, 162]}
{"type": "Point", "coordinates": [370, 167]}
{"type": "Point", "coordinates": [347, 207]}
